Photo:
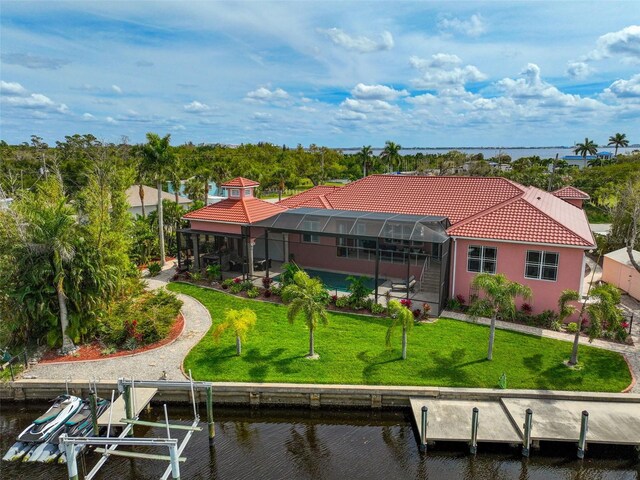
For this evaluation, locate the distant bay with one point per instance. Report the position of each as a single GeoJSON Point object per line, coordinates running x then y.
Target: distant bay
{"type": "Point", "coordinates": [488, 152]}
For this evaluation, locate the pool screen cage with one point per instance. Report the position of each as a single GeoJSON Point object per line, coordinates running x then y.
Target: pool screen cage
{"type": "Point", "coordinates": [404, 256]}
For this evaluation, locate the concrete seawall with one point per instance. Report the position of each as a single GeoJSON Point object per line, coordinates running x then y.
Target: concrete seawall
{"type": "Point", "coordinates": [302, 395]}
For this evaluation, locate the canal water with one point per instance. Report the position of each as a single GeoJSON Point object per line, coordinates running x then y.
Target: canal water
{"type": "Point", "coordinates": [303, 444]}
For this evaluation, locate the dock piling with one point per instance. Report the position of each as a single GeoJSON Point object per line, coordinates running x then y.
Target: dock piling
{"type": "Point", "coordinates": [423, 429]}
{"type": "Point", "coordinates": [128, 407]}
{"type": "Point", "coordinates": [473, 449]}
{"type": "Point", "coordinates": [72, 463]}
{"type": "Point", "coordinates": [212, 427]}
{"type": "Point", "coordinates": [175, 463]}
{"type": "Point", "coordinates": [584, 427]}
{"type": "Point", "coordinates": [93, 405]}
{"type": "Point", "coordinates": [528, 420]}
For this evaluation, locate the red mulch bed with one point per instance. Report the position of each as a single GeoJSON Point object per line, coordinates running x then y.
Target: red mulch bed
{"type": "Point", "coordinates": [92, 351]}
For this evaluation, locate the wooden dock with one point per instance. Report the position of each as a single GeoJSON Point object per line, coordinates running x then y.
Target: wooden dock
{"type": "Point", "coordinates": [502, 420]}
{"type": "Point", "coordinates": [141, 398]}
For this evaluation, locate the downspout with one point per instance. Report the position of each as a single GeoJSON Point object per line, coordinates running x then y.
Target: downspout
{"type": "Point", "coordinates": [455, 258]}
{"type": "Point", "coordinates": [582, 276]}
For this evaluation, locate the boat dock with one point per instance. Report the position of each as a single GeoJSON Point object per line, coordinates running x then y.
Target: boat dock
{"type": "Point", "coordinates": [140, 399]}
{"type": "Point", "coordinates": [526, 421]}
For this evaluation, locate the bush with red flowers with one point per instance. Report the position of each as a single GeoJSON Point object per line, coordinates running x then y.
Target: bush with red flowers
{"type": "Point", "coordinates": [406, 302]}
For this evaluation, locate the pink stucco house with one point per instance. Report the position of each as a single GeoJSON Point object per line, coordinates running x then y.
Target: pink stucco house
{"type": "Point", "coordinates": [431, 233]}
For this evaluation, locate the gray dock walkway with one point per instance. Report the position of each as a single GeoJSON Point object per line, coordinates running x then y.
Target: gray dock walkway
{"type": "Point", "coordinates": [141, 398]}
{"type": "Point", "coordinates": [501, 420]}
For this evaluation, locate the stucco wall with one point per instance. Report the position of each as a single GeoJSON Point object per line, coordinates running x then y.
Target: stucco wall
{"type": "Point", "coordinates": [216, 227]}
{"type": "Point", "coordinates": [623, 276]}
{"type": "Point", "coordinates": [511, 262]}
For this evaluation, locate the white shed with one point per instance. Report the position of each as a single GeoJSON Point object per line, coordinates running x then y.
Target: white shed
{"type": "Point", "coordinates": [618, 270]}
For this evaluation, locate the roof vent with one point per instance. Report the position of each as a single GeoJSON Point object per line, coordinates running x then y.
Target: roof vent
{"type": "Point", "coordinates": [538, 198]}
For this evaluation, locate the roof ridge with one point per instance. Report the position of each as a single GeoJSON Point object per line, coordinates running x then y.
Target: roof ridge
{"type": "Point", "coordinates": [489, 210]}
{"type": "Point", "coordinates": [592, 241]}
{"type": "Point", "coordinates": [246, 210]}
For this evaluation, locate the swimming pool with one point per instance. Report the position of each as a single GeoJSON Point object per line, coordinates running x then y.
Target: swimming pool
{"type": "Point", "coordinates": [337, 281]}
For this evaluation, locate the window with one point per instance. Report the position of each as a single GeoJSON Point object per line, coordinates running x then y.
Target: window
{"type": "Point", "coordinates": [481, 259]}
{"type": "Point", "coordinates": [247, 192]}
{"type": "Point", "coordinates": [311, 225]}
{"type": "Point", "coordinates": [541, 265]}
{"type": "Point", "coordinates": [234, 192]}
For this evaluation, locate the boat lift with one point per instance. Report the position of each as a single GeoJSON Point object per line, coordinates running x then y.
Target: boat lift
{"type": "Point", "coordinates": [131, 410]}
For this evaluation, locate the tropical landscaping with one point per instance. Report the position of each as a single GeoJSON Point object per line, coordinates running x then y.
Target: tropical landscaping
{"type": "Point", "coordinates": [353, 349]}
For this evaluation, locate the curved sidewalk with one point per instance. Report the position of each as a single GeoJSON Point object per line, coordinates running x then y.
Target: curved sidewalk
{"type": "Point", "coordinates": [145, 365]}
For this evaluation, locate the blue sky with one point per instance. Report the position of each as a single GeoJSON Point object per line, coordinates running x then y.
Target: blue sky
{"type": "Point", "coordinates": [330, 73]}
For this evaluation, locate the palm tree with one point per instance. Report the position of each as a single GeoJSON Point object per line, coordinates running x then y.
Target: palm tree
{"type": "Point", "coordinates": [618, 140]}
{"type": "Point", "coordinates": [391, 154]}
{"type": "Point", "coordinates": [586, 148]}
{"type": "Point", "coordinates": [306, 296]}
{"type": "Point", "coordinates": [499, 297]}
{"type": "Point", "coordinates": [366, 155]}
{"type": "Point", "coordinates": [51, 225]}
{"type": "Point", "coordinates": [239, 322]}
{"type": "Point", "coordinates": [565, 310]}
{"type": "Point", "coordinates": [402, 316]}
{"type": "Point", "coordinates": [157, 162]}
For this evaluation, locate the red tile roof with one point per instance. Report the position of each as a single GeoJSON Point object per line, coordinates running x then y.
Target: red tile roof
{"type": "Point", "coordinates": [315, 197]}
{"type": "Point", "coordinates": [571, 193]}
{"type": "Point", "coordinates": [535, 217]}
{"type": "Point", "coordinates": [454, 197]}
{"type": "Point", "coordinates": [245, 210]}
{"type": "Point", "coordinates": [240, 182]}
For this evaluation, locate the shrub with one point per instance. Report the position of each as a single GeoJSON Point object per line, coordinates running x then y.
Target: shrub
{"type": "Point", "coordinates": [406, 302]}
{"type": "Point", "coordinates": [358, 291]}
{"type": "Point", "coordinates": [342, 302]}
{"type": "Point", "coordinates": [266, 293]}
{"type": "Point", "coordinates": [236, 288]}
{"type": "Point", "coordinates": [227, 283]}
{"type": "Point", "coordinates": [196, 276]}
{"type": "Point", "coordinates": [213, 271]}
{"type": "Point", "coordinates": [556, 325]}
{"type": "Point", "coordinates": [275, 290]}
{"type": "Point", "coordinates": [526, 308]}
{"type": "Point", "coordinates": [154, 269]}
{"type": "Point", "coordinates": [246, 285]}
{"type": "Point", "coordinates": [237, 280]}
{"type": "Point", "coordinates": [253, 293]}
{"type": "Point", "coordinates": [289, 269]}
{"type": "Point", "coordinates": [377, 309]}
{"type": "Point", "coordinates": [572, 327]}
{"type": "Point", "coordinates": [460, 299]}
{"type": "Point", "coordinates": [416, 313]}
{"type": "Point", "coordinates": [266, 282]}
{"type": "Point", "coordinates": [130, 344]}
{"type": "Point", "coordinates": [426, 308]}
{"type": "Point", "coordinates": [622, 334]}
{"type": "Point", "coordinates": [107, 351]}
{"type": "Point", "coordinates": [334, 298]}
{"type": "Point", "coordinates": [454, 304]}
{"type": "Point", "coordinates": [545, 319]}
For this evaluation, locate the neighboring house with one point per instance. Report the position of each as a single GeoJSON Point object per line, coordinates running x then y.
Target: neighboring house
{"type": "Point", "coordinates": [150, 200]}
{"type": "Point", "coordinates": [580, 161]}
{"type": "Point", "coordinates": [618, 270]}
{"type": "Point", "coordinates": [441, 231]}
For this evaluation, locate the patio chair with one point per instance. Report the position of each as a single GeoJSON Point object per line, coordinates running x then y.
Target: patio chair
{"type": "Point", "coordinates": [261, 265]}
{"type": "Point", "coordinates": [402, 286]}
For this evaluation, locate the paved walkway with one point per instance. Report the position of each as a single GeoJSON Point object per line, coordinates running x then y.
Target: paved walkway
{"type": "Point", "coordinates": [146, 365]}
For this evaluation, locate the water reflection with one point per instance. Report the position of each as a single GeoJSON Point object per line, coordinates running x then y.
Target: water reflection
{"type": "Point", "coordinates": [301, 444]}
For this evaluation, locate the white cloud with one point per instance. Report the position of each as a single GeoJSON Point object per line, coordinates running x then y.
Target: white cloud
{"type": "Point", "coordinates": [366, 106]}
{"type": "Point", "coordinates": [578, 69]}
{"type": "Point", "coordinates": [111, 120]}
{"type": "Point", "coordinates": [625, 88]}
{"type": "Point", "coordinates": [197, 107]}
{"type": "Point", "coordinates": [377, 92]}
{"type": "Point", "coordinates": [87, 116]}
{"type": "Point", "coordinates": [262, 117]}
{"type": "Point", "coordinates": [623, 43]}
{"type": "Point", "coordinates": [443, 71]}
{"type": "Point", "coordinates": [264, 95]}
{"type": "Point", "coordinates": [359, 44]}
{"type": "Point", "coordinates": [472, 27]}
{"type": "Point", "coordinates": [12, 88]}
{"type": "Point", "coordinates": [350, 116]}
{"type": "Point", "coordinates": [116, 88]}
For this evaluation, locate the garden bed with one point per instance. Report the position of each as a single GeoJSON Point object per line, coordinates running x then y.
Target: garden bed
{"type": "Point", "coordinates": [93, 351]}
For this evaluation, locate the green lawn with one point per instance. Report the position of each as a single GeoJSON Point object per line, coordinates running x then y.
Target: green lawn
{"type": "Point", "coordinates": [352, 351]}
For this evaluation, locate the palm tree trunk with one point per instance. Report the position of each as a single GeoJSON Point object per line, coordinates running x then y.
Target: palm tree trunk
{"type": "Point", "coordinates": [238, 346]}
{"type": "Point", "coordinates": [141, 195]}
{"type": "Point", "coordinates": [67, 343]}
{"type": "Point", "coordinates": [404, 343]}
{"type": "Point", "coordinates": [492, 334]}
{"type": "Point", "coordinates": [311, 343]}
{"type": "Point", "coordinates": [160, 223]}
{"type": "Point", "coordinates": [574, 350]}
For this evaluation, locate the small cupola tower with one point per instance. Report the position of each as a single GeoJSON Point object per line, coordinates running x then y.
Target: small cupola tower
{"type": "Point", "coordinates": [240, 188]}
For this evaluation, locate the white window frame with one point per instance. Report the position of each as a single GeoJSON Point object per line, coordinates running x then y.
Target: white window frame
{"type": "Point", "coordinates": [310, 237]}
{"type": "Point", "coordinates": [247, 192]}
{"type": "Point", "coordinates": [482, 259]}
{"type": "Point", "coordinates": [541, 264]}
{"type": "Point", "coordinates": [234, 192]}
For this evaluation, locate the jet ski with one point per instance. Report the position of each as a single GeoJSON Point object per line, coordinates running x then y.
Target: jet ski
{"type": "Point", "coordinates": [46, 425]}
